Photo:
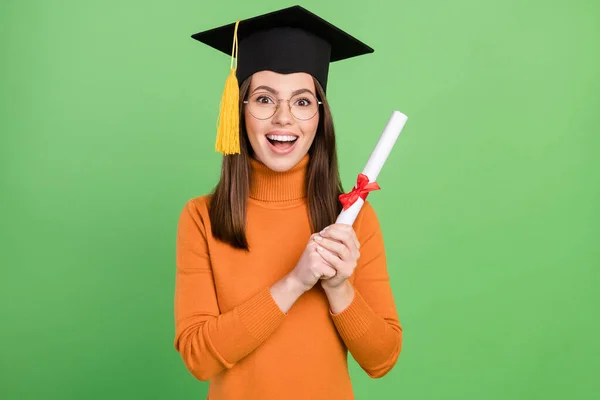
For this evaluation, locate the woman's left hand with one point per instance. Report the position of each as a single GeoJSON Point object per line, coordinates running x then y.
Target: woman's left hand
{"type": "Point", "coordinates": [339, 246]}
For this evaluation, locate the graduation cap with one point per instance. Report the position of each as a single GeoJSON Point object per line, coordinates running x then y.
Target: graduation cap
{"type": "Point", "coordinates": [284, 41]}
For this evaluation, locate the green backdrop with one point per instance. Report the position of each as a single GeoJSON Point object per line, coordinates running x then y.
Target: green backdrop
{"type": "Point", "coordinates": [490, 203]}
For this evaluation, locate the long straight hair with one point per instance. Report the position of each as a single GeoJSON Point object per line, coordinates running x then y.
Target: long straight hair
{"type": "Point", "coordinates": [229, 200]}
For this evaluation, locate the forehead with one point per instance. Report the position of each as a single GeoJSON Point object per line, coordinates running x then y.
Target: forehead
{"type": "Point", "coordinates": [283, 82]}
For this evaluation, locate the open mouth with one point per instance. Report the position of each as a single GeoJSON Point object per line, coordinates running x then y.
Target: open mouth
{"type": "Point", "coordinates": [282, 143]}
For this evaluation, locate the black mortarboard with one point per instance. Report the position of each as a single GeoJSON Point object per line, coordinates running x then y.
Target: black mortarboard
{"type": "Point", "coordinates": [284, 41]}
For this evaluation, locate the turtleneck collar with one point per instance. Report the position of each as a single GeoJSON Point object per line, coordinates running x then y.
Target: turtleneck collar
{"type": "Point", "coordinates": [277, 187]}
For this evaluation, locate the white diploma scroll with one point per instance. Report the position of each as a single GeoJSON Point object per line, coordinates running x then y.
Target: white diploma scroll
{"type": "Point", "coordinates": [378, 157]}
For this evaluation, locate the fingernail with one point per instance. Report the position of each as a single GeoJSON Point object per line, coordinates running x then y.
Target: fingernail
{"type": "Point", "coordinates": [319, 248]}
{"type": "Point", "coordinates": [318, 238]}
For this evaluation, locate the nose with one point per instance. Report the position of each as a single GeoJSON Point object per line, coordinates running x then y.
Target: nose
{"type": "Point", "coordinates": [283, 115]}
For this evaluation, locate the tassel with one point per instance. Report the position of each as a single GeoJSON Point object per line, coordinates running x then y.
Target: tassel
{"type": "Point", "coordinates": [228, 125]}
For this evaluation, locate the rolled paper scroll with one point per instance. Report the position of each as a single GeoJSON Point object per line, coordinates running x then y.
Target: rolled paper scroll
{"type": "Point", "coordinates": [366, 182]}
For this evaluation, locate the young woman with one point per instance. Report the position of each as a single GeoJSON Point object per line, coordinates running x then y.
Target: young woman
{"type": "Point", "coordinates": [271, 294]}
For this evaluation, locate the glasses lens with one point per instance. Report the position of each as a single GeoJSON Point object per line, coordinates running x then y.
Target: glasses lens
{"type": "Point", "coordinates": [304, 106]}
{"type": "Point", "coordinates": [262, 105]}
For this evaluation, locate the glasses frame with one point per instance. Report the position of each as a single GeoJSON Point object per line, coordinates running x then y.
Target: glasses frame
{"type": "Point", "coordinates": [319, 103]}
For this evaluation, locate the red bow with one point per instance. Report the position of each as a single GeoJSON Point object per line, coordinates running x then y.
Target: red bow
{"type": "Point", "coordinates": [361, 189]}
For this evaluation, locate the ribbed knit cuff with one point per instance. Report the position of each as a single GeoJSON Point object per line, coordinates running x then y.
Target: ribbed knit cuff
{"type": "Point", "coordinates": [261, 315]}
{"type": "Point", "coordinates": [355, 320]}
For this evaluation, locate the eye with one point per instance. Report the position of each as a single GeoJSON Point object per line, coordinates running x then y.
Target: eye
{"type": "Point", "coordinates": [263, 99]}
{"type": "Point", "coordinates": [303, 102]}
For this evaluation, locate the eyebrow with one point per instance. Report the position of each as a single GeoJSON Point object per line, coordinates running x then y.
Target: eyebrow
{"type": "Point", "coordinates": [295, 92]}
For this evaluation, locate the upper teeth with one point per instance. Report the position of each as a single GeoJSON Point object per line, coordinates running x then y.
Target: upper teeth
{"type": "Point", "coordinates": [282, 138]}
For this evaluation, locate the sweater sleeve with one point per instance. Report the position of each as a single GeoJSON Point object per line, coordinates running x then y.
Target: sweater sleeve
{"type": "Point", "coordinates": [369, 326]}
{"type": "Point", "coordinates": [207, 340]}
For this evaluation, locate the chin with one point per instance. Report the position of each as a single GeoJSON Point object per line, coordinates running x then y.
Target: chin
{"type": "Point", "coordinates": [281, 163]}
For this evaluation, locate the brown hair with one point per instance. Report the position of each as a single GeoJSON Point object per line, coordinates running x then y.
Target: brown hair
{"type": "Point", "coordinates": [229, 198]}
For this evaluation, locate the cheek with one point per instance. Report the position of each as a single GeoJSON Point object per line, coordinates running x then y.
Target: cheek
{"type": "Point", "coordinates": [309, 127]}
{"type": "Point", "coordinates": [252, 126]}
{"type": "Point", "coordinates": [249, 122]}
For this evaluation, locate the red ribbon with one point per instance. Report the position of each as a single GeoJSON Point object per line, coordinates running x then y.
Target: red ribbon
{"type": "Point", "coordinates": [361, 189]}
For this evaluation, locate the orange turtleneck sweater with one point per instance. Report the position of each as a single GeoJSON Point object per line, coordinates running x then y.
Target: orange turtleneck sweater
{"type": "Point", "coordinates": [229, 330]}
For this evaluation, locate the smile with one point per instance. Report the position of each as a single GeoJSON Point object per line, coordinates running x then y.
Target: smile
{"type": "Point", "coordinates": [282, 143]}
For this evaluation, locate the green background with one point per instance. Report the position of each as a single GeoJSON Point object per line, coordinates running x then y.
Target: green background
{"type": "Point", "coordinates": [490, 203]}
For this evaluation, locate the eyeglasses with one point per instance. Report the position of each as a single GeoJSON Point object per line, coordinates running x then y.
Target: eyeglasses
{"type": "Point", "coordinates": [303, 106]}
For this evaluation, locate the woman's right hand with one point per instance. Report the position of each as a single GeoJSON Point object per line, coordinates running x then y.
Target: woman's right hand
{"type": "Point", "coordinates": [311, 267]}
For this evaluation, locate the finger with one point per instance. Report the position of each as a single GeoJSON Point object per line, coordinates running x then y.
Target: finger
{"type": "Point", "coordinates": [328, 272]}
{"type": "Point", "coordinates": [339, 248]}
{"type": "Point", "coordinates": [313, 236]}
{"type": "Point", "coordinates": [330, 257]}
{"type": "Point", "coordinates": [354, 237]}
{"type": "Point", "coordinates": [352, 234]}
{"type": "Point", "coordinates": [345, 234]}
{"type": "Point", "coordinates": [333, 232]}
{"type": "Point", "coordinates": [341, 232]}
{"type": "Point", "coordinates": [321, 259]}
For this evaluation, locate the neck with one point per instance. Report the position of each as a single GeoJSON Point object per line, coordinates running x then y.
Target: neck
{"type": "Point", "coordinates": [278, 187]}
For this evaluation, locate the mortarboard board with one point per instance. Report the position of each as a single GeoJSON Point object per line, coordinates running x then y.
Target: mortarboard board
{"type": "Point", "coordinates": [284, 41]}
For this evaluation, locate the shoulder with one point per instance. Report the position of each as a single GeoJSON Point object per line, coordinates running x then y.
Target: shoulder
{"type": "Point", "coordinates": [195, 210]}
{"type": "Point", "coordinates": [367, 221]}
{"type": "Point", "coordinates": [199, 203]}
{"type": "Point", "coordinates": [367, 214]}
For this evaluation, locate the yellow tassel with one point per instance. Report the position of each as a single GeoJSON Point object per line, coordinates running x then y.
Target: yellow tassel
{"type": "Point", "coordinates": [228, 124]}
